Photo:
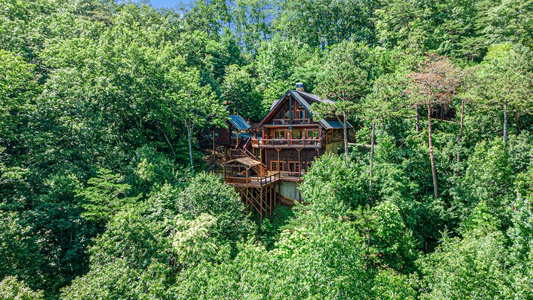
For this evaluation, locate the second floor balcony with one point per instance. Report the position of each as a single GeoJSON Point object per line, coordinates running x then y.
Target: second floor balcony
{"type": "Point", "coordinates": [308, 143]}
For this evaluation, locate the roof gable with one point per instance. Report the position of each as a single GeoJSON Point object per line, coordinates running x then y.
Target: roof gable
{"type": "Point", "coordinates": [304, 99]}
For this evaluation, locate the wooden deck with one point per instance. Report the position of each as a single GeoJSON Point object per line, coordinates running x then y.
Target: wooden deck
{"type": "Point", "coordinates": [253, 181]}
{"type": "Point", "coordinates": [288, 143]}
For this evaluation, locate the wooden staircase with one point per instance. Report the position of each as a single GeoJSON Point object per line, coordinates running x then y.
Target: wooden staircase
{"type": "Point", "coordinates": [243, 146]}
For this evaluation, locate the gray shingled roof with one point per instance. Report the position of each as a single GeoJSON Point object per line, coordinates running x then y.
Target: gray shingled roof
{"type": "Point", "coordinates": [239, 122]}
{"type": "Point", "coordinates": [333, 124]}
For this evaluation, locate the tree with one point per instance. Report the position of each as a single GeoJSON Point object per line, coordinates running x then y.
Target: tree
{"type": "Point", "coordinates": [252, 21]}
{"type": "Point", "coordinates": [18, 249]}
{"type": "Point", "coordinates": [510, 21]}
{"type": "Point", "coordinates": [13, 289]}
{"type": "Point", "coordinates": [389, 244]}
{"type": "Point", "coordinates": [472, 267]}
{"type": "Point", "coordinates": [207, 194]}
{"type": "Point", "coordinates": [505, 81]}
{"type": "Point", "coordinates": [345, 79]}
{"type": "Point", "coordinates": [388, 100]}
{"type": "Point", "coordinates": [240, 94]}
{"type": "Point", "coordinates": [277, 61]}
{"type": "Point", "coordinates": [434, 85]}
{"type": "Point", "coordinates": [341, 110]}
{"type": "Point", "coordinates": [195, 104]}
{"type": "Point", "coordinates": [19, 89]}
{"type": "Point", "coordinates": [334, 186]}
{"type": "Point", "coordinates": [104, 196]}
{"type": "Point", "coordinates": [324, 23]}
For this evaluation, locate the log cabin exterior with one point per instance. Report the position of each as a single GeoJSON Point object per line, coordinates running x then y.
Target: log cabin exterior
{"type": "Point", "coordinates": [267, 165]}
{"type": "Point", "coordinates": [287, 140]}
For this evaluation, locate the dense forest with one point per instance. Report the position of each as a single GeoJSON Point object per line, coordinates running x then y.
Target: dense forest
{"type": "Point", "coordinates": [102, 101]}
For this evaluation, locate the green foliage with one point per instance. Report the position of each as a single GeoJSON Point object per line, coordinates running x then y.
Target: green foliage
{"type": "Point", "coordinates": [391, 285]}
{"type": "Point", "coordinates": [12, 289]}
{"type": "Point", "coordinates": [119, 280]}
{"type": "Point", "coordinates": [324, 23]}
{"type": "Point", "coordinates": [208, 194]}
{"type": "Point", "coordinates": [317, 261]}
{"type": "Point", "coordinates": [239, 92]}
{"type": "Point", "coordinates": [104, 196]}
{"type": "Point", "coordinates": [462, 268]}
{"type": "Point", "coordinates": [153, 168]}
{"type": "Point", "coordinates": [488, 164]}
{"type": "Point", "coordinates": [91, 86]}
{"type": "Point", "coordinates": [334, 186]}
{"type": "Point", "coordinates": [19, 253]}
{"type": "Point", "coordinates": [196, 241]}
{"type": "Point", "coordinates": [389, 243]}
{"type": "Point", "coordinates": [287, 56]}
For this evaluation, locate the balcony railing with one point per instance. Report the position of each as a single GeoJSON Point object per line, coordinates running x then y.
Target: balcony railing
{"type": "Point", "coordinates": [294, 121]}
{"type": "Point", "coordinates": [252, 180]}
{"type": "Point", "coordinates": [287, 143]}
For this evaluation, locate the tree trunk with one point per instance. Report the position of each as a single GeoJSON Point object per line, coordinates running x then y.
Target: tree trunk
{"type": "Point", "coordinates": [371, 158]}
{"type": "Point", "coordinates": [431, 156]}
{"type": "Point", "coordinates": [189, 138]}
{"type": "Point", "coordinates": [505, 104]}
{"type": "Point", "coordinates": [345, 131]}
{"type": "Point", "coordinates": [417, 119]}
{"type": "Point", "coordinates": [460, 131]}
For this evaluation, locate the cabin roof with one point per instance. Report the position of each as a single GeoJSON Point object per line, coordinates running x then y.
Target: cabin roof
{"type": "Point", "coordinates": [333, 124]}
{"type": "Point", "coordinates": [239, 122]}
{"type": "Point", "coordinates": [305, 99]}
{"type": "Point", "coordinates": [249, 162]}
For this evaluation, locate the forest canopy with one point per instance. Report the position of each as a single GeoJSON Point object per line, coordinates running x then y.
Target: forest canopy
{"type": "Point", "coordinates": [106, 111]}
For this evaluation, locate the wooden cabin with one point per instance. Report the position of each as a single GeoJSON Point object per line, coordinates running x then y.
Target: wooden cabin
{"type": "Point", "coordinates": [282, 148]}
{"type": "Point", "coordinates": [287, 140]}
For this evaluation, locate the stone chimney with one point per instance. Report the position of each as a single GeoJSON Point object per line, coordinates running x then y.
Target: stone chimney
{"type": "Point", "coordinates": [300, 87]}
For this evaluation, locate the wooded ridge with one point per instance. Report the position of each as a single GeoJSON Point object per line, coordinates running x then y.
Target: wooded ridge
{"type": "Point", "coordinates": [108, 189]}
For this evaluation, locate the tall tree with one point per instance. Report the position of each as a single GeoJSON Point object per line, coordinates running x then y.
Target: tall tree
{"type": "Point", "coordinates": [252, 20]}
{"type": "Point", "coordinates": [387, 100]}
{"type": "Point", "coordinates": [505, 82]}
{"type": "Point", "coordinates": [345, 79]}
{"type": "Point", "coordinates": [434, 85]}
{"type": "Point", "coordinates": [195, 105]}
{"type": "Point", "coordinates": [240, 94]}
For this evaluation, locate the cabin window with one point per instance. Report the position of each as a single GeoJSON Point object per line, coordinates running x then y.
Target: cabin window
{"type": "Point", "coordinates": [296, 134]}
{"type": "Point", "coordinates": [294, 167]}
{"type": "Point", "coordinates": [279, 134]}
{"type": "Point", "coordinates": [300, 113]}
{"type": "Point", "coordinates": [312, 134]}
{"type": "Point", "coordinates": [276, 165]}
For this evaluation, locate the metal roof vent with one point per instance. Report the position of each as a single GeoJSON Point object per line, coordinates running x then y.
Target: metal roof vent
{"type": "Point", "coordinates": [300, 87]}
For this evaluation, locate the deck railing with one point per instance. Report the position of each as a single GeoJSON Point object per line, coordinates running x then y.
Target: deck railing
{"type": "Point", "coordinates": [294, 121]}
{"type": "Point", "coordinates": [253, 180]}
{"type": "Point", "coordinates": [287, 143]}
